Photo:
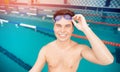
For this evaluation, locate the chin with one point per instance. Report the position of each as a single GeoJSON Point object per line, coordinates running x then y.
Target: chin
{"type": "Point", "coordinates": [62, 39]}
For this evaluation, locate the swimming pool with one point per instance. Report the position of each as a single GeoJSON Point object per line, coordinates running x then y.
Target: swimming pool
{"type": "Point", "coordinates": [20, 46]}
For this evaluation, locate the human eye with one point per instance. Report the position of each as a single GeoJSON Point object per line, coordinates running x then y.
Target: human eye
{"type": "Point", "coordinates": [58, 25]}
{"type": "Point", "coordinates": [68, 25]}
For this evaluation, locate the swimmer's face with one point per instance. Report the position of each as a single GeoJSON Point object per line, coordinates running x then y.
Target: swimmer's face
{"type": "Point", "coordinates": [63, 29]}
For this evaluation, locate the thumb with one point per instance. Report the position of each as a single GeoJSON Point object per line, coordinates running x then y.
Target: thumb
{"type": "Point", "coordinates": [74, 22]}
{"type": "Point", "coordinates": [76, 25]}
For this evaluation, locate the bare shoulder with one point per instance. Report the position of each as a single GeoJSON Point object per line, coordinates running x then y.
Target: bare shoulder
{"type": "Point", "coordinates": [77, 46]}
{"type": "Point", "coordinates": [82, 47]}
{"type": "Point", "coordinates": [49, 45]}
{"type": "Point", "coordinates": [45, 48]}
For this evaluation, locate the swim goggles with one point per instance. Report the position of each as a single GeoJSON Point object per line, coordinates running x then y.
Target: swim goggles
{"type": "Point", "coordinates": [67, 17]}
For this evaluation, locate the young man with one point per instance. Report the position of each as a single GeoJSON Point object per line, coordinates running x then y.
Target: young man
{"type": "Point", "coordinates": [63, 54]}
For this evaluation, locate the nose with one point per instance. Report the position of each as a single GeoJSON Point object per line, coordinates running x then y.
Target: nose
{"type": "Point", "coordinates": [62, 29]}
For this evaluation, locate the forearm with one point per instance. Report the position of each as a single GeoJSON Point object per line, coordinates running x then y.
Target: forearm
{"type": "Point", "coordinates": [98, 47]}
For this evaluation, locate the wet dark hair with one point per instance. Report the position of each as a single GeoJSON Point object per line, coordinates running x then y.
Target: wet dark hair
{"type": "Point", "coordinates": [63, 12]}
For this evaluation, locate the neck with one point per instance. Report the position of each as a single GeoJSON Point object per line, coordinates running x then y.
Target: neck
{"type": "Point", "coordinates": [63, 44]}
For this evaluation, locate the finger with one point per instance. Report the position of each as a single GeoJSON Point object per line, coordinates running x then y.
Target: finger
{"type": "Point", "coordinates": [77, 17]}
{"type": "Point", "coordinates": [74, 22]}
{"type": "Point", "coordinates": [74, 17]}
{"type": "Point", "coordinates": [81, 18]}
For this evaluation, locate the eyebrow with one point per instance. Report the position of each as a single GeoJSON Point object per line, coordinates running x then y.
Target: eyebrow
{"type": "Point", "coordinates": [58, 24]}
{"type": "Point", "coordinates": [61, 24]}
{"type": "Point", "coordinates": [65, 25]}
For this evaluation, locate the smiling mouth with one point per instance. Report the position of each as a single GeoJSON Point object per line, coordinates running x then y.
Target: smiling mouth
{"type": "Point", "coordinates": [62, 35]}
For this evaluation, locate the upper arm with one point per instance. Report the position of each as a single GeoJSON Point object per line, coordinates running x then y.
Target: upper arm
{"type": "Point", "coordinates": [89, 55]}
{"type": "Point", "coordinates": [40, 61]}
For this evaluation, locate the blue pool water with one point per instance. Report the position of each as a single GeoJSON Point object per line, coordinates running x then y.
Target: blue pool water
{"type": "Point", "coordinates": [25, 43]}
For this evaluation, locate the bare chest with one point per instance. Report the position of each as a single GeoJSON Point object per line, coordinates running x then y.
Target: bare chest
{"type": "Point", "coordinates": [68, 58]}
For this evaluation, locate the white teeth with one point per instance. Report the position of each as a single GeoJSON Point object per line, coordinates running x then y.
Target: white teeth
{"type": "Point", "coordinates": [62, 35]}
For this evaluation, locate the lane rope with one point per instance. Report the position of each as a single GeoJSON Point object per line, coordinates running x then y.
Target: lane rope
{"type": "Point", "coordinates": [50, 30]}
